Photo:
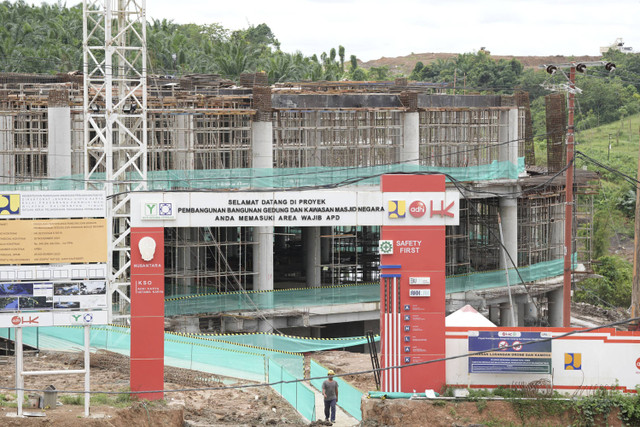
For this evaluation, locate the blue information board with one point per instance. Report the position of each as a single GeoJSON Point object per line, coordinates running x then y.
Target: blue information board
{"type": "Point", "coordinates": [511, 352]}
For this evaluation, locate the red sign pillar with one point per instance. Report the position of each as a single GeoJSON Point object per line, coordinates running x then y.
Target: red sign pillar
{"type": "Point", "coordinates": [412, 288]}
{"type": "Point", "coordinates": [147, 312]}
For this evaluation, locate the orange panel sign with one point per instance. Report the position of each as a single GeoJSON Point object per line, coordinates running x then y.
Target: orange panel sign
{"type": "Point", "coordinates": [52, 241]}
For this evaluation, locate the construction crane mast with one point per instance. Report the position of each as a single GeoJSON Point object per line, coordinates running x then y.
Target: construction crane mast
{"type": "Point", "coordinates": [115, 125]}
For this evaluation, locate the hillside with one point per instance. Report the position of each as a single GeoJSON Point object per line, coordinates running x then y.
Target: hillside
{"type": "Point", "coordinates": [405, 64]}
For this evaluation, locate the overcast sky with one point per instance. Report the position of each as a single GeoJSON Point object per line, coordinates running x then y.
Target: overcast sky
{"type": "Point", "coordinates": [371, 29]}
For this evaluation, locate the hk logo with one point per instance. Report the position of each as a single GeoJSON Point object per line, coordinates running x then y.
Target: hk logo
{"type": "Point", "coordinates": [20, 320]}
{"type": "Point", "coordinates": [397, 209]}
{"type": "Point", "coordinates": [9, 204]}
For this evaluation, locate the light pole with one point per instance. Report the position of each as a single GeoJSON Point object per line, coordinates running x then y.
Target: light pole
{"type": "Point", "coordinates": [569, 202]}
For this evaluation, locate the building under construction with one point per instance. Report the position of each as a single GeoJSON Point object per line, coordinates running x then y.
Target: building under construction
{"type": "Point", "coordinates": [208, 133]}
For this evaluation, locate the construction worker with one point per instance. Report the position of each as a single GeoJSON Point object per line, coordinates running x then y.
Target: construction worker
{"type": "Point", "coordinates": [330, 393]}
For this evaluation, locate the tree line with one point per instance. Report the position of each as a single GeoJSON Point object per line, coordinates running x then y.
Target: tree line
{"type": "Point", "coordinates": [48, 39]}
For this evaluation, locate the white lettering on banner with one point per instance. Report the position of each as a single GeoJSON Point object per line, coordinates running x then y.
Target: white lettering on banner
{"type": "Point", "coordinates": [295, 209]}
{"type": "Point", "coordinates": [409, 246]}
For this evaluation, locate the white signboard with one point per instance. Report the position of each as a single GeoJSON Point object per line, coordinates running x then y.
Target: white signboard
{"type": "Point", "coordinates": [52, 294]}
{"type": "Point", "coordinates": [419, 280]}
{"type": "Point", "coordinates": [295, 209]}
{"type": "Point", "coordinates": [419, 292]}
{"type": "Point", "coordinates": [52, 204]}
{"type": "Point", "coordinates": [56, 301]}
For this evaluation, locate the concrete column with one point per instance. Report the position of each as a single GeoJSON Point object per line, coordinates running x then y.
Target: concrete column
{"type": "Point", "coordinates": [311, 241]}
{"type": "Point", "coordinates": [519, 313]}
{"type": "Point", "coordinates": [184, 159]}
{"type": "Point", "coordinates": [7, 164]}
{"type": "Point", "coordinates": [265, 325]}
{"type": "Point", "coordinates": [530, 314]}
{"type": "Point", "coordinates": [555, 299]}
{"type": "Point", "coordinates": [59, 141]}
{"type": "Point", "coordinates": [262, 144]}
{"type": "Point", "coordinates": [77, 135]}
{"type": "Point", "coordinates": [325, 245]}
{"type": "Point", "coordinates": [262, 148]}
{"type": "Point", "coordinates": [557, 231]}
{"type": "Point", "coordinates": [494, 314]}
{"type": "Point", "coordinates": [411, 145]}
{"type": "Point", "coordinates": [505, 314]}
{"type": "Point", "coordinates": [509, 214]}
{"type": "Point", "coordinates": [508, 136]}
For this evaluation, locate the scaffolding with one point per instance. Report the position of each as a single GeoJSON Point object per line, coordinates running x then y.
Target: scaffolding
{"type": "Point", "coordinates": [198, 140]}
{"type": "Point", "coordinates": [556, 115]}
{"type": "Point", "coordinates": [541, 227]}
{"type": "Point", "coordinates": [460, 137]}
{"type": "Point", "coordinates": [351, 255]}
{"type": "Point", "coordinates": [363, 137]}
{"type": "Point", "coordinates": [207, 260]}
{"type": "Point", "coordinates": [201, 123]}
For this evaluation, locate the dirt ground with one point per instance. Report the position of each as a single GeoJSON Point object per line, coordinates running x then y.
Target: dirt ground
{"type": "Point", "coordinates": [405, 64]}
{"type": "Point", "coordinates": [251, 406]}
{"type": "Point", "coordinates": [110, 372]}
{"type": "Point", "coordinates": [344, 361]}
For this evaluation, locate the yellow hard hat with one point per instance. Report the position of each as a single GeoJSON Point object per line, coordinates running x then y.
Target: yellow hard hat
{"type": "Point", "coordinates": [331, 372]}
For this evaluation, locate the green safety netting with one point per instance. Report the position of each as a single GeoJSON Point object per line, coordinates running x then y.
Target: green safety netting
{"type": "Point", "coordinates": [349, 397]}
{"type": "Point", "coordinates": [498, 278]}
{"type": "Point", "coordinates": [281, 299]}
{"type": "Point", "coordinates": [248, 178]}
{"type": "Point", "coordinates": [295, 392]}
{"type": "Point", "coordinates": [237, 355]}
{"type": "Point", "coordinates": [212, 357]}
{"type": "Point", "coordinates": [291, 361]}
{"type": "Point", "coordinates": [346, 294]}
{"type": "Point", "coordinates": [289, 343]}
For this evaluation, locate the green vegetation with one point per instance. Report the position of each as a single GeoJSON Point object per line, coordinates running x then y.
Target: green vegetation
{"type": "Point", "coordinates": [616, 146]}
{"type": "Point", "coordinates": [585, 411]}
{"type": "Point", "coordinates": [613, 289]}
{"type": "Point", "coordinates": [48, 39]}
{"type": "Point", "coordinates": [9, 400]}
{"type": "Point", "coordinates": [120, 400]}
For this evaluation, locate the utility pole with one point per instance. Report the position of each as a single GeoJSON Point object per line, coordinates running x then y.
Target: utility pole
{"type": "Point", "coordinates": [569, 202]}
{"type": "Point", "coordinates": [568, 212]}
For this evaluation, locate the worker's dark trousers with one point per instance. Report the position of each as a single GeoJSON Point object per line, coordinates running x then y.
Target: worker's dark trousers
{"type": "Point", "coordinates": [330, 405]}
